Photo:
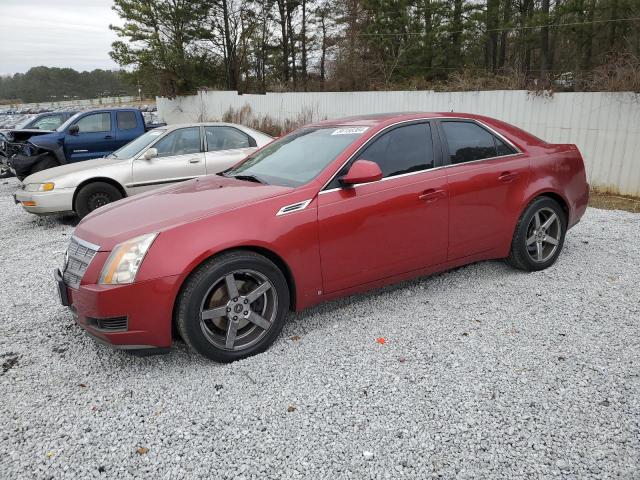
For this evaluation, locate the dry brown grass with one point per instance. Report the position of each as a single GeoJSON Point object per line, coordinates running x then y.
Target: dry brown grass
{"type": "Point", "coordinates": [621, 73]}
{"type": "Point", "coordinates": [614, 202]}
{"type": "Point", "coordinates": [267, 124]}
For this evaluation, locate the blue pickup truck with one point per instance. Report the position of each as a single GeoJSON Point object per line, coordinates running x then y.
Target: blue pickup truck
{"type": "Point", "coordinates": [86, 135]}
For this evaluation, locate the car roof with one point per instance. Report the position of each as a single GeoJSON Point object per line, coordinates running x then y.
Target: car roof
{"type": "Point", "coordinates": [109, 109]}
{"type": "Point", "coordinates": [382, 119]}
{"type": "Point", "coordinates": [203, 124]}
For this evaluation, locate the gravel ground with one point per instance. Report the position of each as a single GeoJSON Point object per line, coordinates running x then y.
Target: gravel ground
{"type": "Point", "coordinates": [485, 372]}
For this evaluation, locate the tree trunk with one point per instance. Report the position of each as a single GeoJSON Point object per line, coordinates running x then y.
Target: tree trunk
{"type": "Point", "coordinates": [292, 42]}
{"type": "Point", "coordinates": [428, 33]}
{"type": "Point", "coordinates": [491, 47]}
{"type": "Point", "coordinates": [323, 47]}
{"type": "Point", "coordinates": [231, 63]}
{"type": "Point", "coordinates": [587, 52]}
{"type": "Point", "coordinates": [303, 40]}
{"type": "Point", "coordinates": [506, 19]}
{"type": "Point", "coordinates": [545, 54]}
{"type": "Point", "coordinates": [282, 20]}
{"type": "Point", "coordinates": [612, 25]}
{"type": "Point", "coordinates": [456, 34]}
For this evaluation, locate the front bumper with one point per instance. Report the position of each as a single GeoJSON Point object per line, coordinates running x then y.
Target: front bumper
{"type": "Point", "coordinates": [59, 200]}
{"type": "Point", "coordinates": [146, 306]}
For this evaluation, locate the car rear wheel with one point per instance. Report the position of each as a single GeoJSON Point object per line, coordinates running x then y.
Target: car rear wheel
{"type": "Point", "coordinates": [233, 306]}
{"type": "Point", "coordinates": [95, 195]}
{"type": "Point", "coordinates": [539, 235]}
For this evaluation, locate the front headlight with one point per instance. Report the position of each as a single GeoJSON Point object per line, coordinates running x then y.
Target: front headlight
{"type": "Point", "coordinates": [125, 260]}
{"type": "Point", "coordinates": [39, 187]}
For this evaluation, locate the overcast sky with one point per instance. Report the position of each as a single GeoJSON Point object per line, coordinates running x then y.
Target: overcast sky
{"type": "Point", "coordinates": [56, 33]}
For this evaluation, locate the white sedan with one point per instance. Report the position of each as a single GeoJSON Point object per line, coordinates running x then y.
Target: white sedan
{"type": "Point", "coordinates": [159, 157]}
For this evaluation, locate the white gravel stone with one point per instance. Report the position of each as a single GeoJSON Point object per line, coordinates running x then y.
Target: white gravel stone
{"type": "Point", "coordinates": [486, 372]}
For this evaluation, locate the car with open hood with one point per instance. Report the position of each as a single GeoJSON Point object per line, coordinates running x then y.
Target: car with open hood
{"type": "Point", "coordinates": [331, 209]}
{"type": "Point", "coordinates": [161, 156]}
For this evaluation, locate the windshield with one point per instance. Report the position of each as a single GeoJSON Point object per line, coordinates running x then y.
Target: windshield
{"type": "Point", "coordinates": [299, 157]}
{"type": "Point", "coordinates": [136, 146]}
{"type": "Point", "coordinates": [66, 124]}
{"type": "Point", "coordinates": [24, 122]}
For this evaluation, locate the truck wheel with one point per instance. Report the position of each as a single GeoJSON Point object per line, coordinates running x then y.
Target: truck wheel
{"type": "Point", "coordinates": [44, 164]}
{"type": "Point", "coordinates": [95, 195]}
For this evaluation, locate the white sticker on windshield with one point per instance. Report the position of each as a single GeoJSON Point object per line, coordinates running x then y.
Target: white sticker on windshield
{"type": "Point", "coordinates": [155, 133]}
{"type": "Point", "coordinates": [349, 131]}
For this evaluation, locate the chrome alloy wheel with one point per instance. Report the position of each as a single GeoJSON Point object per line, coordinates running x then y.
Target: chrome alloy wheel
{"type": "Point", "coordinates": [543, 235]}
{"type": "Point", "coordinates": [238, 310]}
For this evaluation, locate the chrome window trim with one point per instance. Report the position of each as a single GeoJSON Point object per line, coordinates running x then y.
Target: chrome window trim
{"type": "Point", "coordinates": [363, 146]}
{"type": "Point", "coordinates": [86, 244]}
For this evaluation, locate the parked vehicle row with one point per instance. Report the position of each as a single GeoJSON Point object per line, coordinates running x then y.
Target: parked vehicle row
{"type": "Point", "coordinates": [161, 156]}
{"type": "Point", "coordinates": [331, 209]}
{"type": "Point", "coordinates": [83, 136]}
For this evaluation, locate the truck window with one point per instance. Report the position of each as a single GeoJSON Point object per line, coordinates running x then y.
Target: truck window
{"type": "Point", "coordinates": [126, 120]}
{"type": "Point", "coordinates": [50, 122]}
{"type": "Point", "coordinates": [95, 122]}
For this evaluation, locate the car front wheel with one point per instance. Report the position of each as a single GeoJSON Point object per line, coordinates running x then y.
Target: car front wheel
{"type": "Point", "coordinates": [539, 235]}
{"type": "Point", "coordinates": [233, 306]}
{"type": "Point", "coordinates": [95, 195]}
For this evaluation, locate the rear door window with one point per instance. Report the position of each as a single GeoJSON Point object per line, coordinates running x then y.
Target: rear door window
{"type": "Point", "coordinates": [225, 138]}
{"type": "Point", "coordinates": [126, 120]}
{"type": "Point", "coordinates": [467, 142]}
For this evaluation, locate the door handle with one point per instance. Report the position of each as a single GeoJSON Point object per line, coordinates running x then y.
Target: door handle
{"type": "Point", "coordinates": [507, 177]}
{"type": "Point", "coordinates": [194, 160]}
{"type": "Point", "coordinates": [431, 195]}
{"type": "Point", "coordinates": [108, 137]}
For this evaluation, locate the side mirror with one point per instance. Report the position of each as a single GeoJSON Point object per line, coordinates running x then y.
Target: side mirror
{"type": "Point", "coordinates": [74, 129]}
{"type": "Point", "coordinates": [362, 171]}
{"type": "Point", "coordinates": [150, 153]}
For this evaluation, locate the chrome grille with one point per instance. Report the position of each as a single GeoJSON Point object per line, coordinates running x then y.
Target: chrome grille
{"type": "Point", "coordinates": [77, 260]}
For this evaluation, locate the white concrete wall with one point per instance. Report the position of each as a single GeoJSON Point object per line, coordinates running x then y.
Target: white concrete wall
{"type": "Point", "coordinates": [605, 126]}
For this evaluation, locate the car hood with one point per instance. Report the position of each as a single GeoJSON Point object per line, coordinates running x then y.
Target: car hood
{"type": "Point", "coordinates": [72, 174]}
{"type": "Point", "coordinates": [169, 207]}
{"type": "Point", "coordinates": [15, 135]}
{"type": "Point", "coordinates": [44, 139]}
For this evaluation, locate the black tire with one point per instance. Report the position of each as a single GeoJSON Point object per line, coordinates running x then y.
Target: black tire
{"type": "Point", "coordinates": [95, 195]}
{"type": "Point", "coordinates": [208, 336]}
{"type": "Point", "coordinates": [547, 242]}
{"type": "Point", "coordinates": [45, 163]}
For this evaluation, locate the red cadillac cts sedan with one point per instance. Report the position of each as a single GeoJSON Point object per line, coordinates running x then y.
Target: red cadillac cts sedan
{"type": "Point", "coordinates": [328, 210]}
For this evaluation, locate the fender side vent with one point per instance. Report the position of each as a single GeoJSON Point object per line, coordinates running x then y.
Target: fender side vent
{"type": "Point", "coordinates": [294, 207]}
